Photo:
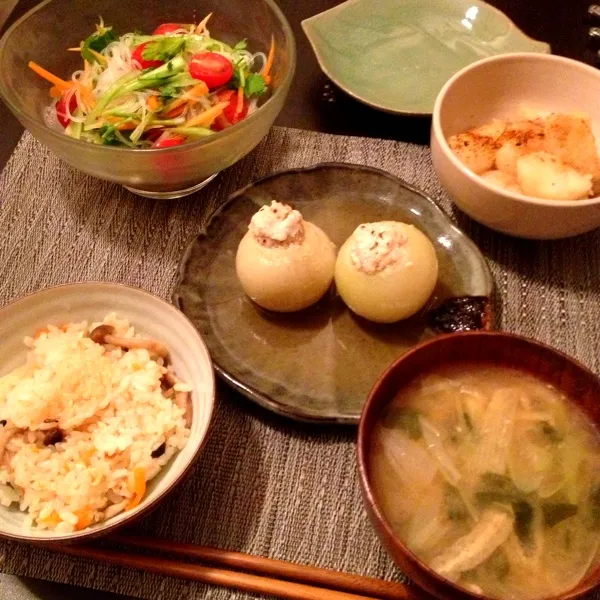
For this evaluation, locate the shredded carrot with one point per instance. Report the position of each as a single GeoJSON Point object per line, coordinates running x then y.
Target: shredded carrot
{"type": "Point", "coordinates": [138, 488]}
{"type": "Point", "coordinates": [202, 25]}
{"type": "Point", "coordinates": [199, 90]}
{"type": "Point", "coordinates": [87, 96]}
{"type": "Point", "coordinates": [240, 101]}
{"type": "Point", "coordinates": [128, 126]}
{"type": "Point", "coordinates": [78, 49]}
{"type": "Point", "coordinates": [85, 456]}
{"type": "Point", "coordinates": [153, 103]}
{"type": "Point", "coordinates": [85, 517]}
{"type": "Point", "coordinates": [57, 81]}
{"type": "Point", "coordinates": [123, 125]}
{"type": "Point", "coordinates": [55, 92]}
{"type": "Point", "coordinates": [270, 60]}
{"type": "Point", "coordinates": [208, 116]}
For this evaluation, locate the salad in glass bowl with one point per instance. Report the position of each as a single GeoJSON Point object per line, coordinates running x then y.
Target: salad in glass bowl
{"type": "Point", "coordinates": [161, 90]}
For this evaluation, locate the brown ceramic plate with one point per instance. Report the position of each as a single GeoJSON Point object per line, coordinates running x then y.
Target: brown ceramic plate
{"type": "Point", "coordinates": [320, 364]}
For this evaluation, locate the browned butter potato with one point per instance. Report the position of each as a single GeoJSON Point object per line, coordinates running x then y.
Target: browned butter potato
{"type": "Point", "coordinates": [386, 271]}
{"type": "Point", "coordinates": [542, 155]}
{"type": "Point", "coordinates": [284, 263]}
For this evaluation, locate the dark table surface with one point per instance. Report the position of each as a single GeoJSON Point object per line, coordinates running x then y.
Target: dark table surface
{"type": "Point", "coordinates": [318, 105]}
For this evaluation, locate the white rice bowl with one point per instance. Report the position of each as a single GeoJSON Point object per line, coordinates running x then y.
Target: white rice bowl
{"type": "Point", "coordinates": [107, 404]}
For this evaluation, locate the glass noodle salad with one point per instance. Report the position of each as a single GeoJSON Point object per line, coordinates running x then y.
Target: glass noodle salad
{"type": "Point", "coordinates": [157, 91]}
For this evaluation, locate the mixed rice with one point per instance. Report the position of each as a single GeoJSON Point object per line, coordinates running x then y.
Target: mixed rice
{"type": "Point", "coordinates": [85, 424]}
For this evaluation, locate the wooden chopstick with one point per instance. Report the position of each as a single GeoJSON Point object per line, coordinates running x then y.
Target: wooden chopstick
{"type": "Point", "coordinates": [210, 575]}
{"type": "Point", "coordinates": [279, 569]}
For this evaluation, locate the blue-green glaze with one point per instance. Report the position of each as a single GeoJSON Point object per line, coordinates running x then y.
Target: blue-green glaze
{"type": "Point", "coordinates": [396, 55]}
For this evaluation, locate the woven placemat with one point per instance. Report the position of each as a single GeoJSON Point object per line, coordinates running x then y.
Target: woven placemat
{"type": "Point", "coordinates": [263, 485]}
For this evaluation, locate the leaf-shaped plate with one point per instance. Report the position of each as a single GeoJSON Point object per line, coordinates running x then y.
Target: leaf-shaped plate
{"type": "Point", "coordinates": [396, 55]}
{"type": "Point", "coordinates": [318, 364]}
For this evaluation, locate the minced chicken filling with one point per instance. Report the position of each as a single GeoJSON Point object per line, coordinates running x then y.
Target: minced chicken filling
{"type": "Point", "coordinates": [377, 246]}
{"type": "Point", "coordinates": [277, 225]}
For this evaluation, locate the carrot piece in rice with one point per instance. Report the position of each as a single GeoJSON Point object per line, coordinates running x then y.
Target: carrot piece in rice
{"type": "Point", "coordinates": [138, 488]}
{"type": "Point", "coordinates": [85, 518]}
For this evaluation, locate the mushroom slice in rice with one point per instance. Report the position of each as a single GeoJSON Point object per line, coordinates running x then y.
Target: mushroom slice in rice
{"type": "Point", "coordinates": [184, 400]}
{"type": "Point", "coordinates": [104, 334]}
{"type": "Point", "coordinates": [6, 433]}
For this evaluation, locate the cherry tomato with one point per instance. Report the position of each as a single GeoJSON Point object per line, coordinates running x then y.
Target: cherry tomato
{"type": "Point", "coordinates": [153, 134]}
{"type": "Point", "coordinates": [166, 28]}
{"type": "Point", "coordinates": [229, 115]}
{"type": "Point", "coordinates": [61, 109]}
{"type": "Point", "coordinates": [145, 64]}
{"type": "Point", "coordinates": [169, 142]}
{"type": "Point", "coordinates": [212, 68]}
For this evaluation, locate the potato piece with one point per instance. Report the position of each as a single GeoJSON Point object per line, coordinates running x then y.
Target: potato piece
{"type": "Point", "coordinates": [570, 138]}
{"type": "Point", "coordinates": [528, 133]}
{"type": "Point", "coordinates": [529, 113]}
{"type": "Point", "coordinates": [493, 130]}
{"type": "Point", "coordinates": [503, 180]}
{"type": "Point", "coordinates": [507, 157]}
{"type": "Point", "coordinates": [542, 175]}
{"type": "Point", "coordinates": [519, 138]}
{"type": "Point", "coordinates": [476, 152]}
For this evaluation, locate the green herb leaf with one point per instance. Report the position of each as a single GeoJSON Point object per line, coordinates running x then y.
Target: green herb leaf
{"type": "Point", "coordinates": [523, 522]}
{"type": "Point", "coordinates": [97, 42]}
{"type": "Point", "coordinates": [168, 91]}
{"type": "Point", "coordinates": [164, 48]}
{"type": "Point", "coordinates": [108, 135]}
{"type": "Point", "coordinates": [552, 434]}
{"type": "Point", "coordinates": [403, 418]}
{"type": "Point", "coordinates": [455, 506]}
{"type": "Point", "coordinates": [555, 512]}
{"type": "Point", "coordinates": [468, 421]}
{"type": "Point", "coordinates": [255, 85]}
{"type": "Point", "coordinates": [494, 488]}
{"type": "Point", "coordinates": [240, 46]}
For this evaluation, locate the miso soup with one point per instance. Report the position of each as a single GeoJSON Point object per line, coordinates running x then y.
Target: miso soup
{"type": "Point", "coordinates": [492, 478]}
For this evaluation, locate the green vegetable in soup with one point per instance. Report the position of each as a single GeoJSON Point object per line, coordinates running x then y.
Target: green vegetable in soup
{"type": "Point", "coordinates": [523, 525]}
{"type": "Point", "coordinates": [468, 421]}
{"type": "Point", "coordinates": [503, 477]}
{"type": "Point", "coordinates": [555, 512]}
{"type": "Point", "coordinates": [456, 508]}
{"type": "Point", "coordinates": [494, 488]}
{"type": "Point", "coordinates": [552, 434]}
{"type": "Point", "coordinates": [405, 419]}
{"type": "Point", "coordinates": [595, 507]}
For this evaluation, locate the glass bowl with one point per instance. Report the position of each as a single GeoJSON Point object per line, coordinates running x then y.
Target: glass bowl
{"type": "Point", "coordinates": [44, 34]}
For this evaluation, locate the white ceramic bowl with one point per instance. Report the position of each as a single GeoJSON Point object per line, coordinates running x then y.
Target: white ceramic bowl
{"type": "Point", "coordinates": [149, 315]}
{"type": "Point", "coordinates": [494, 88]}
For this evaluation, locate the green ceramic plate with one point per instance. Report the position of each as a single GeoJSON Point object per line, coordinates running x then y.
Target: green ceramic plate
{"type": "Point", "coordinates": [396, 55]}
{"type": "Point", "coordinates": [318, 364]}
